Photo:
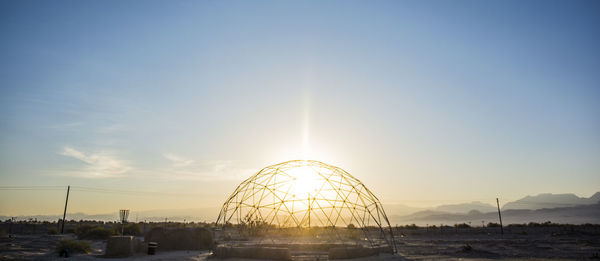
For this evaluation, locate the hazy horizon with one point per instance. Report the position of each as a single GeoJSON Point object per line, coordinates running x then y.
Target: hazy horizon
{"type": "Point", "coordinates": [427, 104]}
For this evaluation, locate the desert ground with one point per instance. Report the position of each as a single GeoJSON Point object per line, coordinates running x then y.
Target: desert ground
{"type": "Point", "coordinates": [517, 243]}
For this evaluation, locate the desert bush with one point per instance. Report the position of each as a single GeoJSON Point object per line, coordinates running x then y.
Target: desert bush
{"type": "Point", "coordinates": [492, 224]}
{"type": "Point", "coordinates": [93, 232]}
{"type": "Point", "coordinates": [411, 226]}
{"type": "Point", "coordinates": [73, 246]}
{"type": "Point", "coordinates": [353, 234]}
{"type": "Point", "coordinates": [52, 231]}
{"type": "Point", "coordinates": [466, 248]}
{"type": "Point", "coordinates": [83, 229]}
{"type": "Point", "coordinates": [132, 229]}
{"type": "Point", "coordinates": [462, 225]}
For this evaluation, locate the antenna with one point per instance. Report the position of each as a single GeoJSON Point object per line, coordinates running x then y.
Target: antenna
{"type": "Point", "coordinates": [123, 214]}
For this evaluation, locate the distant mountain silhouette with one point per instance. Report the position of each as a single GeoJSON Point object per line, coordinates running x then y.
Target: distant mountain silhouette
{"type": "Point", "coordinates": [194, 214]}
{"type": "Point", "coordinates": [573, 215]}
{"type": "Point", "coordinates": [595, 198]}
{"type": "Point", "coordinates": [466, 207]}
{"type": "Point", "coordinates": [399, 209]}
{"type": "Point", "coordinates": [548, 200]}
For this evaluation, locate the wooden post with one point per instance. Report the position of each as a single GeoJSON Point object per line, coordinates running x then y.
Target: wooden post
{"type": "Point", "coordinates": [499, 216]}
{"type": "Point", "coordinates": [62, 229]}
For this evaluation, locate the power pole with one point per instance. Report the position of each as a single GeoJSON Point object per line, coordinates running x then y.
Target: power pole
{"type": "Point", "coordinates": [62, 229]}
{"type": "Point", "coordinates": [499, 216]}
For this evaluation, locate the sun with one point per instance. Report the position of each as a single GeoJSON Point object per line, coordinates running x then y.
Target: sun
{"type": "Point", "coordinates": [305, 182]}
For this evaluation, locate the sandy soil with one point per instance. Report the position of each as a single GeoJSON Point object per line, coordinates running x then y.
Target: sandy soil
{"type": "Point", "coordinates": [412, 245]}
{"type": "Point", "coordinates": [516, 244]}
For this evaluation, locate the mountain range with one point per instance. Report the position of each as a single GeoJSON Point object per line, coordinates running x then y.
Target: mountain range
{"type": "Point", "coordinates": [565, 208]}
{"type": "Point", "coordinates": [548, 200]}
{"type": "Point", "coordinates": [558, 208]}
{"type": "Point", "coordinates": [571, 215]}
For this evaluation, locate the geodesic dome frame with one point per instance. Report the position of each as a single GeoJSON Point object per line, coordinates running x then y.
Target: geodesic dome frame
{"type": "Point", "coordinates": [305, 194]}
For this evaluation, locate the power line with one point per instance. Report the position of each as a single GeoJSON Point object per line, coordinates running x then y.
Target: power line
{"type": "Point", "coordinates": [32, 187]}
{"type": "Point", "coordinates": [100, 190]}
{"type": "Point", "coordinates": [131, 192]}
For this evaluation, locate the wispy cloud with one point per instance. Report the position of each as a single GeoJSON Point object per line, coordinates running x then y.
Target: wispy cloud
{"type": "Point", "coordinates": [183, 168]}
{"type": "Point", "coordinates": [113, 128]}
{"type": "Point", "coordinates": [105, 164]}
{"type": "Point", "coordinates": [98, 164]}
{"type": "Point", "coordinates": [177, 160]}
{"type": "Point", "coordinates": [69, 126]}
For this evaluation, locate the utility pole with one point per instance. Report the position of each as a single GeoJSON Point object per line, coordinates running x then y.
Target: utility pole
{"type": "Point", "coordinates": [62, 229]}
{"type": "Point", "coordinates": [499, 216]}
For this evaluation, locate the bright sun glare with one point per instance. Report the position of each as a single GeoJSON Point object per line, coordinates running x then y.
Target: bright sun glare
{"type": "Point", "coordinates": [305, 183]}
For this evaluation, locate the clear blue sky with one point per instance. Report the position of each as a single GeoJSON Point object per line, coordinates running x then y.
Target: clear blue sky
{"type": "Point", "coordinates": [424, 101]}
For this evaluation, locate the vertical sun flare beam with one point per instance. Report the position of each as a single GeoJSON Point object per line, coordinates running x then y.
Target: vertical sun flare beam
{"type": "Point", "coordinates": [306, 124]}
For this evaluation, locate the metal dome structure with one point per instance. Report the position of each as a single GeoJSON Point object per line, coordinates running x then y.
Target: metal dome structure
{"type": "Point", "coordinates": [308, 194]}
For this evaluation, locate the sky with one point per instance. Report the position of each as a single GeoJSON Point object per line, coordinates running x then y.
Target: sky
{"type": "Point", "coordinates": [170, 104]}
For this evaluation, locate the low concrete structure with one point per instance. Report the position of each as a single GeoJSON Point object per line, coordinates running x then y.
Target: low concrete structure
{"type": "Point", "coordinates": [120, 246]}
{"type": "Point", "coordinates": [265, 253]}
{"type": "Point", "coordinates": [181, 239]}
{"type": "Point", "coordinates": [356, 252]}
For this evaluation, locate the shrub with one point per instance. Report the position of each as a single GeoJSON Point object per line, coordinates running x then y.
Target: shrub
{"type": "Point", "coordinates": [462, 225]}
{"type": "Point", "coordinates": [353, 234]}
{"type": "Point", "coordinates": [132, 229]}
{"type": "Point", "coordinates": [73, 246]}
{"type": "Point", "coordinates": [83, 229]}
{"type": "Point", "coordinates": [52, 231]}
{"type": "Point", "coordinates": [492, 224]}
{"type": "Point", "coordinates": [466, 248]}
{"type": "Point", "coordinates": [93, 232]}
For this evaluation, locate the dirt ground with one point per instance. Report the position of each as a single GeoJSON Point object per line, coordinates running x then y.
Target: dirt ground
{"type": "Point", "coordinates": [515, 244]}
